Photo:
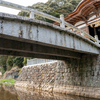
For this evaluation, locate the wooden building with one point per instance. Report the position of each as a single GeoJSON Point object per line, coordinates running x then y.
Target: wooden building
{"type": "Point", "coordinates": [86, 17]}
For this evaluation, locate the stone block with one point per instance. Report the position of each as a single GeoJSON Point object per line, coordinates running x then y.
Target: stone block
{"type": "Point", "coordinates": [69, 70]}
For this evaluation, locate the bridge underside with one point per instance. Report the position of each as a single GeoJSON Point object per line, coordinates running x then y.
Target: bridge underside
{"type": "Point", "coordinates": [22, 47]}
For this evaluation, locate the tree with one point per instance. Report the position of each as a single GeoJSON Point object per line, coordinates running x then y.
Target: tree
{"type": "Point", "coordinates": [18, 61]}
{"type": "Point", "coordinates": [25, 61]}
{"type": "Point", "coordinates": [53, 7]}
{"type": "Point", "coordinates": [2, 70]}
{"type": "Point", "coordinates": [3, 60]}
{"type": "Point", "coordinates": [10, 62]}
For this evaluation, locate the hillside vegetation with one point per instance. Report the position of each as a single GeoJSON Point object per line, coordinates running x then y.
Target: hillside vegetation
{"type": "Point", "coordinates": [53, 7]}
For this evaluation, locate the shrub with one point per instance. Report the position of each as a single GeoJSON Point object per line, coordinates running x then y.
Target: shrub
{"type": "Point", "coordinates": [18, 61]}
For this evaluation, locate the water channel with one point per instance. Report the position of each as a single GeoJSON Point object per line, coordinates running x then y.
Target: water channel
{"type": "Point", "coordinates": [9, 92]}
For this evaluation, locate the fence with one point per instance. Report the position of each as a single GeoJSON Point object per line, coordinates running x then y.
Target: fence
{"type": "Point", "coordinates": [38, 61]}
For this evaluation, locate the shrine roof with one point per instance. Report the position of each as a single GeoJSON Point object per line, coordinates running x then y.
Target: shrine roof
{"type": "Point", "coordinates": [85, 10]}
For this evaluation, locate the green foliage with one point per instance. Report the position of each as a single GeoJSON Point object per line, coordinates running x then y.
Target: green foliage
{"type": "Point", "coordinates": [7, 62]}
{"type": "Point", "coordinates": [7, 81]}
{"type": "Point", "coordinates": [53, 7]}
{"type": "Point", "coordinates": [25, 61]}
{"type": "Point", "coordinates": [5, 67]}
{"type": "Point", "coordinates": [22, 13]}
{"type": "Point", "coordinates": [19, 71]}
{"type": "Point", "coordinates": [3, 60]}
{"type": "Point", "coordinates": [18, 61]}
{"type": "Point", "coordinates": [2, 70]}
{"type": "Point", "coordinates": [10, 62]}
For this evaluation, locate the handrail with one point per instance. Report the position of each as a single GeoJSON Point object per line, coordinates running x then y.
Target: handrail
{"type": "Point", "coordinates": [81, 31]}
{"type": "Point", "coordinates": [30, 10]}
{"type": "Point", "coordinates": [62, 22]}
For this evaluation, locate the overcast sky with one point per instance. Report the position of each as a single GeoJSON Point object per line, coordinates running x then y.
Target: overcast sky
{"type": "Point", "coordinates": [21, 2]}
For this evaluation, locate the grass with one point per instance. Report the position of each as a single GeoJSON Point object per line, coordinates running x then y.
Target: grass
{"type": "Point", "coordinates": [7, 81]}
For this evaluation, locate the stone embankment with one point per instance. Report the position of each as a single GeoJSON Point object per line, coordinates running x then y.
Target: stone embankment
{"type": "Point", "coordinates": [75, 77]}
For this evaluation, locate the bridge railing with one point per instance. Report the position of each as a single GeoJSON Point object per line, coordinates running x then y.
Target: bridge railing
{"type": "Point", "coordinates": [62, 22]}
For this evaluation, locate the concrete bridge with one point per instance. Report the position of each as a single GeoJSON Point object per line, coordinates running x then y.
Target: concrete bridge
{"type": "Point", "coordinates": [28, 37]}
{"type": "Point", "coordinates": [22, 36]}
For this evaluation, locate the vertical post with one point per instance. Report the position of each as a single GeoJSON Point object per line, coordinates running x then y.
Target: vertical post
{"type": "Point", "coordinates": [82, 33]}
{"type": "Point", "coordinates": [32, 15]}
{"type": "Point", "coordinates": [95, 36]}
{"type": "Point", "coordinates": [94, 30]}
{"type": "Point", "coordinates": [62, 24]}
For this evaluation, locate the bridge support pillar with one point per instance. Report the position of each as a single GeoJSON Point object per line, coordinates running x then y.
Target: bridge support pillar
{"type": "Point", "coordinates": [79, 77]}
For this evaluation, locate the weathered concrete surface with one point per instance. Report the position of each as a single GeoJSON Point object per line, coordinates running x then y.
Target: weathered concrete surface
{"type": "Point", "coordinates": [20, 48]}
{"type": "Point", "coordinates": [42, 33]}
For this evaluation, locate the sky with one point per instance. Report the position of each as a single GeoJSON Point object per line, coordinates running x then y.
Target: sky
{"type": "Point", "coordinates": [20, 2]}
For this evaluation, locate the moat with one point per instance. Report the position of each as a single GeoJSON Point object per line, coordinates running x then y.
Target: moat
{"type": "Point", "coordinates": [8, 92]}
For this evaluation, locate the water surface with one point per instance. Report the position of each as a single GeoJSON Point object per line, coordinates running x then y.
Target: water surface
{"type": "Point", "coordinates": [10, 93]}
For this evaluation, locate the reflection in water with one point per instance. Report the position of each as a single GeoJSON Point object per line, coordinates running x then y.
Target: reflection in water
{"type": "Point", "coordinates": [7, 95]}
{"type": "Point", "coordinates": [10, 93]}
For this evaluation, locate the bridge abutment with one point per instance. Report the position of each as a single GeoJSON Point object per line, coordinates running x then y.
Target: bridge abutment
{"type": "Point", "coordinates": [74, 76]}
{"type": "Point", "coordinates": [83, 72]}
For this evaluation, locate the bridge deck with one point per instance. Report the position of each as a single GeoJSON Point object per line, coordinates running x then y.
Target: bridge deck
{"type": "Point", "coordinates": [37, 36]}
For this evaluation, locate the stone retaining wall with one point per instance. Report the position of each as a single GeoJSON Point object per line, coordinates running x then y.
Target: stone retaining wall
{"type": "Point", "coordinates": [74, 76]}
{"type": "Point", "coordinates": [39, 73]}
